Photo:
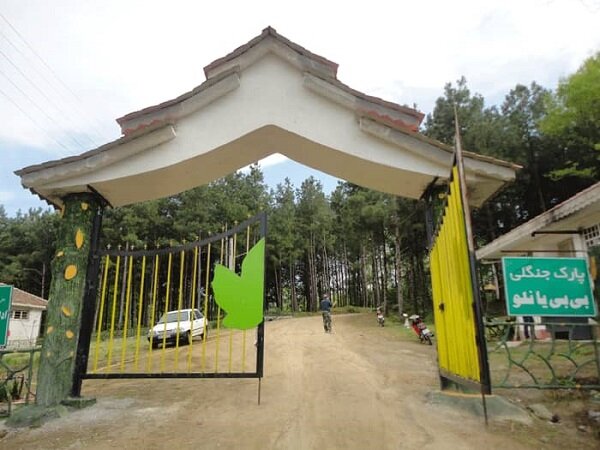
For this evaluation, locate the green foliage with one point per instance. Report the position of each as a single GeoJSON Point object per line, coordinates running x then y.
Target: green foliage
{"type": "Point", "coordinates": [27, 246]}
{"type": "Point", "coordinates": [525, 130]}
{"type": "Point", "coordinates": [573, 119]}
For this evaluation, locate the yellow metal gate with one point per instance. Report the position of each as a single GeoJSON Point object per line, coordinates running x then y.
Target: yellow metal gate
{"type": "Point", "coordinates": [156, 314]}
{"type": "Point", "coordinates": [462, 353]}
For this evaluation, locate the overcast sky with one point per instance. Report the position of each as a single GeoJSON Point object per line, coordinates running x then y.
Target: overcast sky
{"type": "Point", "coordinates": [97, 60]}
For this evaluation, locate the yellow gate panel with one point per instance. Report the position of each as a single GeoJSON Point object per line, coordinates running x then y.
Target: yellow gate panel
{"type": "Point", "coordinates": [156, 314]}
{"type": "Point", "coordinates": [452, 291]}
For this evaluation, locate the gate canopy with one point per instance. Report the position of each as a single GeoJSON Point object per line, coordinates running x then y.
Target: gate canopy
{"type": "Point", "coordinates": [267, 96]}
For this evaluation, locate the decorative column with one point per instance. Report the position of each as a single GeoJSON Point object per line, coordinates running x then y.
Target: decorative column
{"type": "Point", "coordinates": [71, 286]}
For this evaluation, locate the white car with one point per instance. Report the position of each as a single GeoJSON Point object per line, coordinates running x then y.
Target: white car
{"type": "Point", "coordinates": [187, 323]}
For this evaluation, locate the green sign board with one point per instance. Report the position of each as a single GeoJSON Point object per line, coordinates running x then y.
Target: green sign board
{"type": "Point", "coordinates": [548, 287]}
{"type": "Point", "coordinates": [5, 298]}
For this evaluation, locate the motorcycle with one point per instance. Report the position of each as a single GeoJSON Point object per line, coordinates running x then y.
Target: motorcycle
{"type": "Point", "coordinates": [420, 328]}
{"type": "Point", "coordinates": [380, 317]}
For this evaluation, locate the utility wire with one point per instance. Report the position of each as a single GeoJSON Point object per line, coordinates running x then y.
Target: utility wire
{"type": "Point", "coordinates": [55, 75]}
{"type": "Point", "coordinates": [33, 120]}
{"type": "Point", "coordinates": [43, 94]}
{"type": "Point", "coordinates": [38, 107]}
{"type": "Point", "coordinates": [98, 133]}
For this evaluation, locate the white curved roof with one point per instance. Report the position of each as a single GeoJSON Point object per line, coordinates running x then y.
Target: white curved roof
{"type": "Point", "coordinates": [268, 96]}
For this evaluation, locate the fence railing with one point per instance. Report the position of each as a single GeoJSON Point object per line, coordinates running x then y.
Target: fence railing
{"type": "Point", "coordinates": [544, 356]}
{"type": "Point", "coordinates": [16, 377]}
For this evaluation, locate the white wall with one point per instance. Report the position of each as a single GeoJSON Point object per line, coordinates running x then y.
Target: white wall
{"type": "Point", "coordinates": [24, 332]}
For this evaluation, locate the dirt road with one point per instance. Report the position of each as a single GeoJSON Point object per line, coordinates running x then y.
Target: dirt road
{"type": "Point", "coordinates": [358, 388]}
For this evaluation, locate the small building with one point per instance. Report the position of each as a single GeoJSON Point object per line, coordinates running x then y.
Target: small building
{"type": "Point", "coordinates": [569, 229]}
{"type": "Point", "coordinates": [26, 317]}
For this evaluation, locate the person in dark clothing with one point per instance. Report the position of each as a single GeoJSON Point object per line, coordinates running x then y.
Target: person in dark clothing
{"type": "Point", "coordinates": [529, 329]}
{"type": "Point", "coordinates": [325, 308]}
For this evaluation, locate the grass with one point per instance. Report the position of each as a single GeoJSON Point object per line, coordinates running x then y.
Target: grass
{"type": "Point", "coordinates": [563, 364]}
{"type": "Point", "coordinates": [18, 360]}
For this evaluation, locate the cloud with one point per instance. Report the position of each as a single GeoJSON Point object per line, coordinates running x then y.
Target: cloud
{"type": "Point", "coordinates": [6, 196]}
{"type": "Point", "coordinates": [116, 57]}
{"type": "Point", "coordinates": [269, 161]}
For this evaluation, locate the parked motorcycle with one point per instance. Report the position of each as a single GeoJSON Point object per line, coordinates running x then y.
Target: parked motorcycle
{"type": "Point", "coordinates": [380, 317]}
{"type": "Point", "coordinates": [420, 328]}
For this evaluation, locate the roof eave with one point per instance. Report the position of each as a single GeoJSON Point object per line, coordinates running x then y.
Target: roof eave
{"type": "Point", "coordinates": [559, 212]}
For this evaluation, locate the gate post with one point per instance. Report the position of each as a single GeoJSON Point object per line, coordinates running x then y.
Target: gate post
{"type": "Point", "coordinates": [78, 231]}
{"type": "Point", "coordinates": [88, 308]}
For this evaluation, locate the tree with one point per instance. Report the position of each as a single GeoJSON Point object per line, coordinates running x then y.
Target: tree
{"type": "Point", "coordinates": [574, 120]}
{"type": "Point", "coordinates": [440, 124]}
{"type": "Point", "coordinates": [284, 242]}
{"type": "Point", "coordinates": [314, 225]}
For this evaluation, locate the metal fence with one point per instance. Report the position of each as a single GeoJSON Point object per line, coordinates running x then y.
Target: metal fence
{"type": "Point", "coordinates": [139, 290]}
{"type": "Point", "coordinates": [16, 377]}
{"type": "Point", "coordinates": [553, 355]}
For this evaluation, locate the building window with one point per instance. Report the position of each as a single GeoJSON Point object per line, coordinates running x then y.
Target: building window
{"type": "Point", "coordinates": [592, 236]}
{"type": "Point", "coordinates": [20, 314]}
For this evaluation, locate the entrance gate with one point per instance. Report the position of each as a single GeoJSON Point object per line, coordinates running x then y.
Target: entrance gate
{"type": "Point", "coordinates": [268, 96]}
{"type": "Point", "coordinates": [125, 330]}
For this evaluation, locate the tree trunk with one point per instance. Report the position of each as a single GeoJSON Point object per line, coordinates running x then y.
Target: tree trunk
{"type": "Point", "coordinates": [338, 285]}
{"type": "Point", "coordinates": [363, 276]}
{"type": "Point", "coordinates": [326, 272]}
{"type": "Point", "coordinates": [277, 290]}
{"type": "Point", "coordinates": [309, 280]}
{"type": "Point", "coordinates": [398, 269]}
{"type": "Point", "coordinates": [294, 300]}
{"type": "Point", "coordinates": [346, 274]}
{"type": "Point", "coordinates": [385, 273]}
{"type": "Point", "coordinates": [535, 171]}
{"type": "Point", "coordinates": [376, 287]}
{"type": "Point", "coordinates": [411, 284]}
{"type": "Point", "coordinates": [69, 271]}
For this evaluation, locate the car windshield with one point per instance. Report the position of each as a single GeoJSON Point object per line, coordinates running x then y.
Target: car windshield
{"type": "Point", "coordinates": [174, 316]}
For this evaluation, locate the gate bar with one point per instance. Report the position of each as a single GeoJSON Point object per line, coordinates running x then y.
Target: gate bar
{"type": "Point", "coordinates": [88, 308]}
{"type": "Point", "coordinates": [484, 369]}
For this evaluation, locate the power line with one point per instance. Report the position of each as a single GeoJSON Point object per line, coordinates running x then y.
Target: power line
{"type": "Point", "coordinates": [32, 120]}
{"type": "Point", "coordinates": [38, 107]}
{"type": "Point", "coordinates": [98, 134]}
{"type": "Point", "coordinates": [41, 92]}
{"type": "Point", "coordinates": [54, 74]}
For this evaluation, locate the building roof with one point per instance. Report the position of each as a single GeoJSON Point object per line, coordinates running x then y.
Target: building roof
{"type": "Point", "coordinates": [312, 63]}
{"type": "Point", "coordinates": [21, 298]}
{"type": "Point", "coordinates": [269, 95]}
{"type": "Point", "coordinates": [576, 213]}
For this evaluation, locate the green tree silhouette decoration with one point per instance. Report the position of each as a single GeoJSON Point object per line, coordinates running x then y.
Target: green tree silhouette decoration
{"type": "Point", "coordinates": [241, 296]}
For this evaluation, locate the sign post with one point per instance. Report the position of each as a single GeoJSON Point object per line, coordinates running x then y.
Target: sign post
{"type": "Point", "coordinates": [5, 301]}
{"type": "Point", "coordinates": [558, 287]}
